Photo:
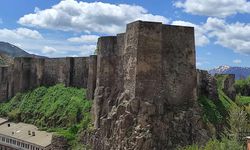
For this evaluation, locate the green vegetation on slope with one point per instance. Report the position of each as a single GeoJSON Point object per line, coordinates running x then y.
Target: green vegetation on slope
{"type": "Point", "coordinates": [243, 100]}
{"type": "Point", "coordinates": [243, 86]}
{"type": "Point", "coordinates": [224, 110]}
{"type": "Point", "coordinates": [60, 109]}
{"type": "Point", "coordinates": [216, 111]}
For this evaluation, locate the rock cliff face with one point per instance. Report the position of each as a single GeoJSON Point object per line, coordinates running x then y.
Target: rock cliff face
{"type": "Point", "coordinates": [28, 73]}
{"type": "Point", "coordinates": [145, 96]}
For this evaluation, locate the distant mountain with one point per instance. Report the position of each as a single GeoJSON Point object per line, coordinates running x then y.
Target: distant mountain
{"type": "Point", "coordinates": [240, 72]}
{"type": "Point", "coordinates": [12, 50]}
{"type": "Point", "coordinates": [9, 51]}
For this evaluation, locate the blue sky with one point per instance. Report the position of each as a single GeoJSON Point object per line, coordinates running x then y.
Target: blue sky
{"type": "Point", "coordinates": [57, 28]}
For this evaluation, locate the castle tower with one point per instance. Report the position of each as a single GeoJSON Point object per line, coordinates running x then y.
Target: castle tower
{"type": "Point", "coordinates": [146, 79]}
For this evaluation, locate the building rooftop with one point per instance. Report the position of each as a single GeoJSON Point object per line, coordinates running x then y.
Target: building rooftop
{"type": "Point", "coordinates": [2, 120]}
{"type": "Point", "coordinates": [20, 131]}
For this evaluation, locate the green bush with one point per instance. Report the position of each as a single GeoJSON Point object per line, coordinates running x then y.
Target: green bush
{"type": "Point", "coordinates": [56, 106]}
{"type": "Point", "coordinates": [243, 86]}
{"type": "Point", "coordinates": [60, 109]}
{"type": "Point", "coordinates": [210, 111]}
{"type": "Point", "coordinates": [213, 144]}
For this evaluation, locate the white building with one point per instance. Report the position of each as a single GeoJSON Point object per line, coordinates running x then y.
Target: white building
{"type": "Point", "coordinates": [21, 136]}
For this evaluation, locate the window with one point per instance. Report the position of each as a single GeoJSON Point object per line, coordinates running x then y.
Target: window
{"type": "Point", "coordinates": [18, 143]}
{"type": "Point", "coordinates": [14, 142]}
{"type": "Point", "coordinates": [3, 139]}
{"type": "Point", "coordinates": [11, 141]}
{"type": "Point", "coordinates": [7, 140]}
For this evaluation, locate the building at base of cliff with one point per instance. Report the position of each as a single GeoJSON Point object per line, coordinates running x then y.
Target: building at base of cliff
{"type": "Point", "coordinates": [21, 136]}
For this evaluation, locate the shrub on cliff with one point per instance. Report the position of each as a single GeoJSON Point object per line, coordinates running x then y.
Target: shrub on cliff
{"type": "Point", "coordinates": [213, 144]}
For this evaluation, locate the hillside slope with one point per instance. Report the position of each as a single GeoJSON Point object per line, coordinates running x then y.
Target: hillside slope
{"type": "Point", "coordinates": [12, 50]}
{"type": "Point", "coordinates": [9, 51]}
{"type": "Point", "coordinates": [59, 109]}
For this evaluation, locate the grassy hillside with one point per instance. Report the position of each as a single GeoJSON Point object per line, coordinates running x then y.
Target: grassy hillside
{"type": "Point", "coordinates": [216, 111]}
{"type": "Point", "coordinates": [232, 115]}
{"type": "Point", "coordinates": [58, 108]}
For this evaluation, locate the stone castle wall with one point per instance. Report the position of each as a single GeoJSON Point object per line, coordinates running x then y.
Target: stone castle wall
{"type": "Point", "coordinates": [206, 85]}
{"type": "Point", "coordinates": [145, 96]}
{"type": "Point", "coordinates": [143, 83]}
{"type": "Point", "coordinates": [29, 73]}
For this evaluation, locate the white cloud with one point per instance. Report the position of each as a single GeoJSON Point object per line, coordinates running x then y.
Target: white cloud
{"type": "Point", "coordinates": [84, 39]}
{"type": "Point", "coordinates": [200, 34]}
{"type": "Point", "coordinates": [230, 35]}
{"type": "Point", "coordinates": [19, 33]}
{"type": "Point", "coordinates": [27, 33]}
{"type": "Point", "coordinates": [36, 10]}
{"type": "Point", "coordinates": [48, 50]}
{"type": "Point", "coordinates": [87, 50]}
{"type": "Point", "coordinates": [198, 64]}
{"type": "Point", "coordinates": [70, 15]}
{"type": "Point", "coordinates": [214, 8]}
{"type": "Point", "coordinates": [34, 43]}
{"type": "Point", "coordinates": [237, 61]}
{"type": "Point", "coordinates": [234, 36]}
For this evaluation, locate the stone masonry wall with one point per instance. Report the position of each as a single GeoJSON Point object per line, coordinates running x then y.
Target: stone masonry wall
{"type": "Point", "coordinates": [206, 85]}
{"type": "Point", "coordinates": [3, 83]}
{"type": "Point", "coordinates": [145, 95]}
{"type": "Point", "coordinates": [29, 73]}
{"type": "Point", "coordinates": [92, 77]}
{"type": "Point", "coordinates": [229, 88]}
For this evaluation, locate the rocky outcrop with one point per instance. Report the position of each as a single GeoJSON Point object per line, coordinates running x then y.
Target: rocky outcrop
{"type": "Point", "coordinates": [59, 143]}
{"type": "Point", "coordinates": [145, 95]}
{"type": "Point", "coordinates": [28, 73]}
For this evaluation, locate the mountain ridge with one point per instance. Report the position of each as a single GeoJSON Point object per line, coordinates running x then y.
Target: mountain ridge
{"type": "Point", "coordinates": [240, 72]}
{"type": "Point", "coordinates": [9, 51]}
